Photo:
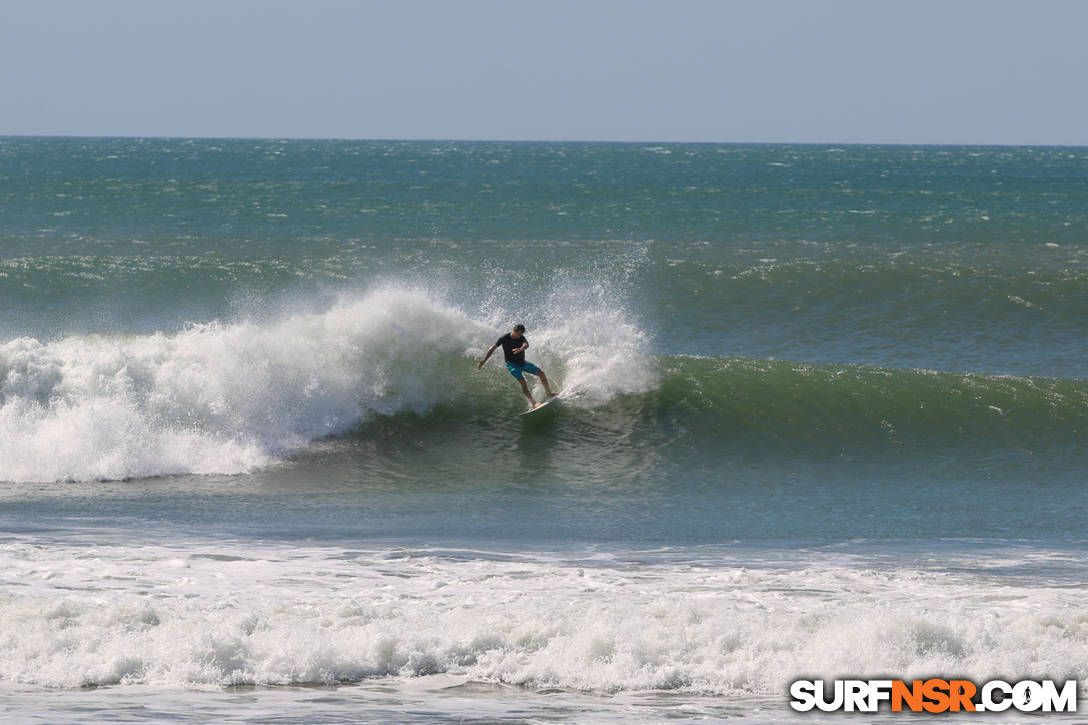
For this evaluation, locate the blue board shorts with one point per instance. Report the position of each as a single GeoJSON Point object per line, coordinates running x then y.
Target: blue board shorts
{"type": "Point", "coordinates": [516, 370]}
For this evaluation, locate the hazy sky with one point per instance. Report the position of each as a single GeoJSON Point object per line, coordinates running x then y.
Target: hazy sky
{"type": "Point", "coordinates": [915, 71]}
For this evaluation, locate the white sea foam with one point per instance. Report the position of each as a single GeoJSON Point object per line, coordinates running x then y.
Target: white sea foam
{"type": "Point", "coordinates": [229, 397]}
{"type": "Point", "coordinates": [191, 617]}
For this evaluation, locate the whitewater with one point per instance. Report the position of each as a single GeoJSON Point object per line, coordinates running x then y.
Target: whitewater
{"type": "Point", "coordinates": [697, 623]}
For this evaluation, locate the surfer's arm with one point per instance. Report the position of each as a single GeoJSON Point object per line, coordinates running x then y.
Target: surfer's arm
{"type": "Point", "coordinates": [480, 363]}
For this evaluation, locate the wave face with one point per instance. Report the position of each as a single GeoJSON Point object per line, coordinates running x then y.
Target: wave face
{"type": "Point", "coordinates": [226, 398]}
{"type": "Point", "coordinates": [861, 405]}
{"type": "Point", "coordinates": [230, 397]}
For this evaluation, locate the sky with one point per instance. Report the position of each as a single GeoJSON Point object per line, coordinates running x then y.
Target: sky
{"type": "Point", "coordinates": [815, 71]}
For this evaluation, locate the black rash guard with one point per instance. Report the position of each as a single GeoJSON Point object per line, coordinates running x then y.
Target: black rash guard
{"type": "Point", "coordinates": [508, 344]}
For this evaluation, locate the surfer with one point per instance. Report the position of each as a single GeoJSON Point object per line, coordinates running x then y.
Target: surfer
{"type": "Point", "coordinates": [513, 346]}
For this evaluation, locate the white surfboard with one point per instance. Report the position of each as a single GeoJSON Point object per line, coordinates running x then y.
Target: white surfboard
{"type": "Point", "coordinates": [540, 407]}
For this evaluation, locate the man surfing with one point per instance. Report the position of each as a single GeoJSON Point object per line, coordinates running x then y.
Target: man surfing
{"type": "Point", "coordinates": [513, 346]}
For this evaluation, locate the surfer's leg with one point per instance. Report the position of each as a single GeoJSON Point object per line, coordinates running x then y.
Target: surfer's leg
{"type": "Point", "coordinates": [528, 396]}
{"type": "Point", "coordinates": [534, 370]}
{"type": "Point", "coordinates": [516, 371]}
{"type": "Point", "coordinates": [544, 379]}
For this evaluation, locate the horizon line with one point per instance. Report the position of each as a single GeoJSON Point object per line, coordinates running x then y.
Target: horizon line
{"type": "Point", "coordinates": [392, 139]}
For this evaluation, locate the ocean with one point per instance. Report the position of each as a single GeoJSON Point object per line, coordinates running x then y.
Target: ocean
{"type": "Point", "coordinates": [824, 415]}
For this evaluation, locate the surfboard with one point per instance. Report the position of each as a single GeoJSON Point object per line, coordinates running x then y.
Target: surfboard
{"type": "Point", "coordinates": [540, 407]}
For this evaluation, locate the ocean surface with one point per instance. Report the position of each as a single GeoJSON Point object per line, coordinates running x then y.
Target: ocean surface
{"type": "Point", "coordinates": [825, 414]}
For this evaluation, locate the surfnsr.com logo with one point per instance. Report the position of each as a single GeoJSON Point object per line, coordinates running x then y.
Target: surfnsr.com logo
{"type": "Point", "coordinates": [933, 695]}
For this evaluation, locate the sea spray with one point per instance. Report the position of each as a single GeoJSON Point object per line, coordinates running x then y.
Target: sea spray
{"type": "Point", "coordinates": [590, 330]}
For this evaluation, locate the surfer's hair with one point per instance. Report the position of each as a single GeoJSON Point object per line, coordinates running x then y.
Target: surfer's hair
{"type": "Point", "coordinates": [519, 327]}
